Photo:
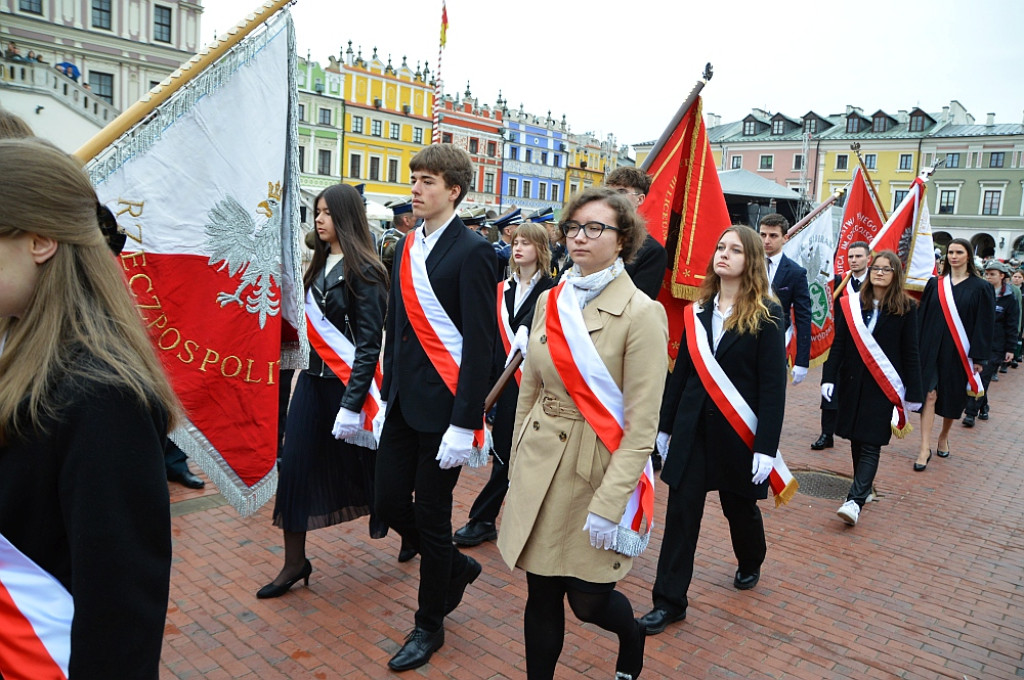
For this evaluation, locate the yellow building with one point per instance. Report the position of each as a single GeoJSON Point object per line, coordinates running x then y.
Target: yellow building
{"type": "Point", "coordinates": [590, 159]}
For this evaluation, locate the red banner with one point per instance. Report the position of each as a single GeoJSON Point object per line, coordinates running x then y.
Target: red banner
{"type": "Point", "coordinates": [861, 221]}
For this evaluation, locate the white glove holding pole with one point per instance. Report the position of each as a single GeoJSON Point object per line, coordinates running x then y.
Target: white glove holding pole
{"type": "Point", "coordinates": [799, 373]}
{"type": "Point", "coordinates": [661, 444]}
{"type": "Point", "coordinates": [346, 423]}
{"type": "Point", "coordinates": [762, 467]}
{"type": "Point", "coordinates": [519, 342]}
{"type": "Point", "coordinates": [378, 420]}
{"type": "Point", "coordinates": [826, 391]}
{"type": "Point", "coordinates": [456, 445]}
{"type": "Point", "coordinates": [602, 531]}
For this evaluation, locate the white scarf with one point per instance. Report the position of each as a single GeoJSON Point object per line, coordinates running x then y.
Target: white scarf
{"type": "Point", "coordinates": [590, 286]}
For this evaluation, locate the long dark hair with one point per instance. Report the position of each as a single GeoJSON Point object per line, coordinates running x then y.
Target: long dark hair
{"type": "Point", "coordinates": [972, 269]}
{"type": "Point", "coordinates": [348, 214]}
{"type": "Point", "coordinates": [895, 301]}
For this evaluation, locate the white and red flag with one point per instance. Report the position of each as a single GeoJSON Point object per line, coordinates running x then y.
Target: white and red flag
{"type": "Point", "coordinates": [206, 189]}
{"type": "Point", "coordinates": [812, 249]}
{"type": "Point", "coordinates": [897, 234]}
{"type": "Point", "coordinates": [861, 221]}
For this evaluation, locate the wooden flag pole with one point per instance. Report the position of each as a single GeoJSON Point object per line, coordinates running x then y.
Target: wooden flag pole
{"type": "Point", "coordinates": [809, 217]}
{"type": "Point", "coordinates": [174, 82]}
{"type": "Point", "coordinates": [506, 375]}
{"type": "Point", "coordinates": [690, 99]}
{"type": "Point", "coordinates": [871, 185]}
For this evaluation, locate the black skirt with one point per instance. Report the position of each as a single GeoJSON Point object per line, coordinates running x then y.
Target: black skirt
{"type": "Point", "coordinates": [322, 481]}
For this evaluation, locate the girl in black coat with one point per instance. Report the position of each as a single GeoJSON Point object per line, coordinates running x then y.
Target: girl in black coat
{"type": "Point", "coordinates": [865, 412]}
{"type": "Point", "coordinates": [325, 480]}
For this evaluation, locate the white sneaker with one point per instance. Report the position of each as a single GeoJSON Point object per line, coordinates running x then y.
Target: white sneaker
{"type": "Point", "coordinates": [849, 512]}
{"type": "Point", "coordinates": [870, 498]}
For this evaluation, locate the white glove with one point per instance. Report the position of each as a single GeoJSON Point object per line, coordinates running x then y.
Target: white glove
{"type": "Point", "coordinates": [456, 445]}
{"type": "Point", "coordinates": [762, 467]}
{"type": "Point", "coordinates": [602, 531]}
{"type": "Point", "coordinates": [378, 421]}
{"type": "Point", "coordinates": [661, 444]}
{"type": "Point", "coordinates": [519, 342]}
{"type": "Point", "coordinates": [346, 424]}
{"type": "Point", "coordinates": [912, 406]}
{"type": "Point", "coordinates": [799, 373]}
{"type": "Point", "coordinates": [826, 391]}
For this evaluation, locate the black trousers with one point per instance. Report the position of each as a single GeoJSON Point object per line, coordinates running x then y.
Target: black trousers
{"type": "Point", "coordinates": [406, 466]}
{"type": "Point", "coordinates": [175, 459]}
{"type": "Point", "coordinates": [988, 369]}
{"type": "Point", "coordinates": [828, 420]}
{"type": "Point", "coordinates": [488, 504]}
{"type": "Point", "coordinates": [865, 465]}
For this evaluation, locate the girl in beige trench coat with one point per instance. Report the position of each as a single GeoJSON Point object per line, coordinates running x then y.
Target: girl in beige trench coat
{"type": "Point", "coordinates": [562, 478]}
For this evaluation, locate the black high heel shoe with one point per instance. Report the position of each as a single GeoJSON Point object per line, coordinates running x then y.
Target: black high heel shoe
{"type": "Point", "coordinates": [918, 467]}
{"type": "Point", "coordinates": [271, 590]}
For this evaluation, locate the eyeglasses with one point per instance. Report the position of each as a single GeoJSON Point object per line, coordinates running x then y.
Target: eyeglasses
{"type": "Point", "coordinates": [883, 270]}
{"type": "Point", "coordinates": [592, 229]}
{"type": "Point", "coordinates": [624, 191]}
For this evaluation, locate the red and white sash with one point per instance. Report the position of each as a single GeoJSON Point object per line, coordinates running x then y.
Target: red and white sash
{"type": "Point", "coordinates": [35, 619]}
{"type": "Point", "coordinates": [960, 340]}
{"type": "Point", "coordinates": [599, 400]}
{"type": "Point", "coordinates": [877, 363]}
{"type": "Point", "coordinates": [338, 352]}
{"type": "Point", "coordinates": [731, 403]}
{"type": "Point", "coordinates": [504, 327]}
{"type": "Point", "coordinates": [436, 332]}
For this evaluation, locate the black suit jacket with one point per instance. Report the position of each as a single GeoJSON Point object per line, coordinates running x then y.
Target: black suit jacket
{"type": "Point", "coordinates": [461, 271]}
{"type": "Point", "coordinates": [756, 365]}
{"type": "Point", "coordinates": [648, 267]}
{"type": "Point", "coordinates": [790, 286]}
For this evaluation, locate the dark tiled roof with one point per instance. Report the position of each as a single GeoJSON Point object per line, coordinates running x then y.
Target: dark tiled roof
{"type": "Point", "coordinates": [980, 130]}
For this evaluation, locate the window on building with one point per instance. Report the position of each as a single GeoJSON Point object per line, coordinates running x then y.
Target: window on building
{"type": "Point", "coordinates": [853, 124]}
{"type": "Point", "coordinates": [376, 128]}
{"type": "Point", "coordinates": [446, 138]}
{"type": "Point", "coordinates": [991, 202]}
{"type": "Point", "coordinates": [417, 135]}
{"type": "Point", "coordinates": [952, 160]}
{"type": "Point", "coordinates": [898, 196]}
{"type": "Point", "coordinates": [354, 163]}
{"type": "Point", "coordinates": [527, 187]}
{"type": "Point", "coordinates": [573, 188]}
{"type": "Point", "coordinates": [917, 123]}
{"type": "Point", "coordinates": [778, 126]}
{"type": "Point", "coordinates": [996, 159]}
{"type": "Point", "coordinates": [554, 192]}
{"type": "Point", "coordinates": [392, 169]}
{"type": "Point", "coordinates": [513, 153]}
{"type": "Point", "coordinates": [542, 191]}
{"type": "Point", "coordinates": [488, 182]}
{"type": "Point", "coordinates": [749, 128]}
{"type": "Point", "coordinates": [513, 186]}
{"type": "Point", "coordinates": [102, 85]}
{"type": "Point", "coordinates": [31, 6]}
{"type": "Point", "coordinates": [396, 131]}
{"type": "Point", "coordinates": [870, 160]}
{"type": "Point", "coordinates": [842, 161]}
{"type": "Point", "coordinates": [543, 157]}
{"type": "Point", "coordinates": [810, 125]}
{"type": "Point", "coordinates": [906, 161]}
{"type": "Point", "coordinates": [947, 201]}
{"type": "Point", "coordinates": [323, 162]}
{"type": "Point", "coordinates": [101, 14]}
{"type": "Point", "coordinates": [357, 124]}
{"type": "Point", "coordinates": [558, 161]}
{"type": "Point", "coordinates": [325, 116]}
{"type": "Point", "coordinates": [474, 145]}
{"type": "Point", "coordinates": [302, 112]}
{"type": "Point", "coordinates": [492, 149]}
{"type": "Point", "coordinates": [302, 158]}
{"type": "Point", "coordinates": [161, 24]}
{"type": "Point", "coordinates": [374, 173]}
{"type": "Point", "coordinates": [798, 161]}
{"type": "Point", "coordinates": [529, 155]}
{"type": "Point", "coordinates": [880, 124]}
{"type": "Point", "coordinates": [737, 162]}
{"type": "Point", "coordinates": [766, 162]}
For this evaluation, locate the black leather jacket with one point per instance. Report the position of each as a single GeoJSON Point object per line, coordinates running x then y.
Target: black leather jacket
{"type": "Point", "coordinates": [356, 308]}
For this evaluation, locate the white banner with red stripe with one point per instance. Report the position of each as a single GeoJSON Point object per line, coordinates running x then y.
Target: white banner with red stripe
{"type": "Point", "coordinates": [338, 352]}
{"type": "Point", "coordinates": [35, 619]}
{"type": "Point", "coordinates": [599, 400]}
{"type": "Point", "coordinates": [440, 338]}
{"type": "Point", "coordinates": [505, 331]}
{"type": "Point", "coordinates": [731, 403]}
{"type": "Point", "coordinates": [959, 334]}
{"type": "Point", "coordinates": [877, 363]}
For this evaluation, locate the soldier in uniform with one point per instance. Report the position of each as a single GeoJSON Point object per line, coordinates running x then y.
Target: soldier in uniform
{"type": "Point", "coordinates": [506, 224]}
{"type": "Point", "coordinates": [401, 224]}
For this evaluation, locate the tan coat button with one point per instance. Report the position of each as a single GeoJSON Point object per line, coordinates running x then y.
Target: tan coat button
{"type": "Point", "coordinates": [536, 425]}
{"type": "Point", "coordinates": [562, 436]}
{"type": "Point", "coordinates": [543, 339]}
{"type": "Point", "coordinates": [616, 565]}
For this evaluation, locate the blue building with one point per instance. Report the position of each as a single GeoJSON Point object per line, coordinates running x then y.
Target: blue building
{"type": "Point", "coordinates": [535, 157]}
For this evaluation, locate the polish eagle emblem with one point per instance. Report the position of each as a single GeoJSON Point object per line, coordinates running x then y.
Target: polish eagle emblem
{"type": "Point", "coordinates": [241, 243]}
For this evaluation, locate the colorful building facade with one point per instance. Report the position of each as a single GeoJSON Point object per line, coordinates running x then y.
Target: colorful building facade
{"type": "Point", "coordinates": [478, 130]}
{"type": "Point", "coordinates": [534, 160]}
{"type": "Point", "coordinates": [590, 159]}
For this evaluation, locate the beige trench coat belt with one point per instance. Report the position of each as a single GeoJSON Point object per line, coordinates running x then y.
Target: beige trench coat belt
{"type": "Point", "coordinates": [588, 450]}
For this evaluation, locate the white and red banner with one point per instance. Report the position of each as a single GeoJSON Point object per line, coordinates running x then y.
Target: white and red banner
{"type": "Point", "coordinates": [505, 331]}
{"type": "Point", "coordinates": [861, 220]}
{"type": "Point", "coordinates": [897, 233]}
{"type": "Point", "coordinates": [812, 249]}
{"type": "Point", "coordinates": [206, 189]}
{"type": "Point", "coordinates": [921, 263]}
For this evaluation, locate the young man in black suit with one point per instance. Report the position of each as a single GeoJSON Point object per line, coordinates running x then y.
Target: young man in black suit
{"type": "Point", "coordinates": [789, 282]}
{"type": "Point", "coordinates": [648, 267]}
{"type": "Point", "coordinates": [437, 360]}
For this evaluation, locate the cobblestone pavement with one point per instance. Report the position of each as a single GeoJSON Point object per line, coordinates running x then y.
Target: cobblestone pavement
{"type": "Point", "coordinates": [928, 584]}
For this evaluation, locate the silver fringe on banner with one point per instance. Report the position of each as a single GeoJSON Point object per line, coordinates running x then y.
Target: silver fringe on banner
{"type": "Point", "coordinates": [631, 543]}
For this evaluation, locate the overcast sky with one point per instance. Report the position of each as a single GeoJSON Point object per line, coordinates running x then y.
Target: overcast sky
{"type": "Point", "coordinates": [625, 67]}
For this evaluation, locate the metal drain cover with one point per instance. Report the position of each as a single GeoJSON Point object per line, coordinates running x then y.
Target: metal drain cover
{"type": "Point", "coordinates": [823, 484]}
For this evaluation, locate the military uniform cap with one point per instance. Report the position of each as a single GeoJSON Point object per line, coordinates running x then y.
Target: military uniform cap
{"type": "Point", "coordinates": [400, 206]}
{"type": "Point", "coordinates": [473, 217]}
{"type": "Point", "coordinates": [509, 219]}
{"type": "Point", "coordinates": [542, 215]}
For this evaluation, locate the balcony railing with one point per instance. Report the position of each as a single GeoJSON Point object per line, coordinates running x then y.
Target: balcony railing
{"type": "Point", "coordinates": [44, 78]}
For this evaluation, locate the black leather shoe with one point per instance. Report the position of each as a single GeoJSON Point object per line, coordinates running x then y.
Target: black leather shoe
{"type": "Point", "coordinates": [1002, 368]}
{"type": "Point", "coordinates": [407, 552]}
{"type": "Point", "coordinates": [746, 581]}
{"type": "Point", "coordinates": [983, 413]}
{"type": "Point", "coordinates": [475, 533]}
{"type": "Point", "coordinates": [186, 479]}
{"type": "Point", "coordinates": [824, 442]}
{"type": "Point", "coordinates": [457, 585]}
{"type": "Point", "coordinates": [968, 421]}
{"type": "Point", "coordinates": [419, 646]}
{"type": "Point", "coordinates": [656, 620]}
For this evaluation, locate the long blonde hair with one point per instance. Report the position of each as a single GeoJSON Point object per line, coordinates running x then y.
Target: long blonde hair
{"type": "Point", "coordinates": [537, 236]}
{"type": "Point", "coordinates": [749, 309]}
{"type": "Point", "coordinates": [80, 308]}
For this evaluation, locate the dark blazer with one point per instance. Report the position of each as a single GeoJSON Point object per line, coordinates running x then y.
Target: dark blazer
{"type": "Point", "coordinates": [461, 271]}
{"type": "Point", "coordinates": [1004, 335]}
{"type": "Point", "coordinates": [87, 501]}
{"type": "Point", "coordinates": [648, 267]}
{"type": "Point", "coordinates": [356, 308]}
{"type": "Point", "coordinates": [855, 287]}
{"type": "Point", "coordinates": [790, 286]}
{"type": "Point", "coordinates": [864, 411]}
{"type": "Point", "coordinates": [756, 364]}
